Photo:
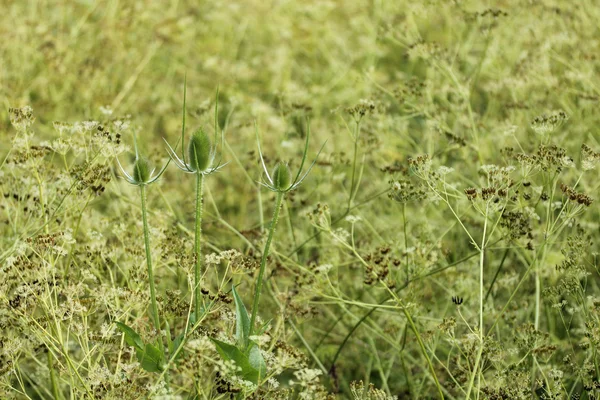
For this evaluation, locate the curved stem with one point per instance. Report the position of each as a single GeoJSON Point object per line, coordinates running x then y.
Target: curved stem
{"type": "Point", "coordinates": [149, 260]}
{"type": "Point", "coordinates": [263, 260]}
{"type": "Point", "coordinates": [197, 244]}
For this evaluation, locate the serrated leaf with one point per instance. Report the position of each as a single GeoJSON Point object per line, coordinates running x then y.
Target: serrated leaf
{"type": "Point", "coordinates": [242, 321]}
{"type": "Point", "coordinates": [256, 360]}
{"type": "Point", "coordinates": [151, 358]}
{"type": "Point", "coordinates": [231, 353]}
{"type": "Point", "coordinates": [131, 336]}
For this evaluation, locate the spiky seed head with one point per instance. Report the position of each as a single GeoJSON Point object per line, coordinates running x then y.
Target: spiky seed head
{"type": "Point", "coordinates": [200, 151]}
{"type": "Point", "coordinates": [282, 177]}
{"type": "Point", "coordinates": [141, 170]}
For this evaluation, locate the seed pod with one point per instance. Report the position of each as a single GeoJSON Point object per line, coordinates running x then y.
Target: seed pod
{"type": "Point", "coordinates": [200, 151]}
{"type": "Point", "coordinates": [141, 170]}
{"type": "Point", "coordinates": [282, 177]}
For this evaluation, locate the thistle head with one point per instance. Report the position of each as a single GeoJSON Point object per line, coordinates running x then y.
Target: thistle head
{"type": "Point", "coordinates": [281, 180]}
{"type": "Point", "coordinates": [200, 155]}
{"type": "Point", "coordinates": [142, 174]}
{"type": "Point", "coordinates": [141, 170]}
{"type": "Point", "coordinates": [200, 151]}
{"type": "Point", "coordinates": [282, 176]}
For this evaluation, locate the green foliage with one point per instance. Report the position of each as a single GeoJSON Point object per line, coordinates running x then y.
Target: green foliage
{"type": "Point", "coordinates": [242, 321]}
{"type": "Point", "coordinates": [150, 357]}
{"type": "Point", "coordinates": [443, 243]}
{"type": "Point", "coordinates": [251, 363]}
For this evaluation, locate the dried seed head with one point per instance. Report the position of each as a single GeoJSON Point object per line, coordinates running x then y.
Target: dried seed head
{"type": "Point", "coordinates": [282, 177]}
{"type": "Point", "coordinates": [200, 151]}
{"type": "Point", "coordinates": [141, 170]}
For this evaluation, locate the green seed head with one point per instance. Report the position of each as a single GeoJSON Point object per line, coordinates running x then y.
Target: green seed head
{"type": "Point", "coordinates": [200, 151]}
{"type": "Point", "coordinates": [141, 170]}
{"type": "Point", "coordinates": [282, 177]}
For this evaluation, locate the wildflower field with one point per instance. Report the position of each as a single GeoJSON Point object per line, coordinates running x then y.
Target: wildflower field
{"type": "Point", "coordinates": [345, 199]}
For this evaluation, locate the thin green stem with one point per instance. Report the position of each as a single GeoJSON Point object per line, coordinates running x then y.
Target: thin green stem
{"type": "Point", "coordinates": [55, 391]}
{"type": "Point", "coordinates": [352, 188]}
{"type": "Point", "coordinates": [149, 259]}
{"type": "Point", "coordinates": [263, 260]}
{"type": "Point", "coordinates": [476, 369]}
{"type": "Point", "coordinates": [424, 351]}
{"type": "Point", "coordinates": [496, 274]}
{"type": "Point", "coordinates": [405, 241]}
{"type": "Point", "coordinates": [197, 243]}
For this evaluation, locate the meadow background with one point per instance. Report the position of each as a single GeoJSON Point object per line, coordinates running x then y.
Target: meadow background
{"type": "Point", "coordinates": [460, 166]}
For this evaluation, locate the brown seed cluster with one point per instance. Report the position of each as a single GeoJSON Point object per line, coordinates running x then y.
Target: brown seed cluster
{"type": "Point", "coordinates": [362, 108]}
{"type": "Point", "coordinates": [21, 118]}
{"type": "Point", "coordinates": [547, 123]}
{"type": "Point", "coordinates": [577, 197]}
{"type": "Point", "coordinates": [547, 158]}
{"type": "Point", "coordinates": [404, 191]}
{"type": "Point", "coordinates": [409, 91]}
{"type": "Point", "coordinates": [93, 177]}
{"type": "Point", "coordinates": [589, 157]}
{"type": "Point", "coordinates": [378, 269]}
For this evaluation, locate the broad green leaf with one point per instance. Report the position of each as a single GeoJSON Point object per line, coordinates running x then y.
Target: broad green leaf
{"type": "Point", "coordinates": [242, 322]}
{"type": "Point", "coordinates": [151, 358]}
{"type": "Point", "coordinates": [231, 353]}
{"type": "Point", "coordinates": [256, 360]}
{"type": "Point", "coordinates": [131, 336]}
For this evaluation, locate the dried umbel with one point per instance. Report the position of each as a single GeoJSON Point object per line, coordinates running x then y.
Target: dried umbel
{"type": "Point", "coordinates": [21, 118]}
{"type": "Point", "coordinates": [404, 191]}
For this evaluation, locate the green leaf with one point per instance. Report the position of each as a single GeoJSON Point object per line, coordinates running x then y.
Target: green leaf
{"type": "Point", "coordinates": [256, 360]}
{"type": "Point", "coordinates": [242, 321]}
{"type": "Point", "coordinates": [151, 358]}
{"type": "Point", "coordinates": [131, 336]}
{"type": "Point", "coordinates": [262, 329]}
{"type": "Point", "coordinates": [175, 345]}
{"type": "Point", "coordinates": [231, 353]}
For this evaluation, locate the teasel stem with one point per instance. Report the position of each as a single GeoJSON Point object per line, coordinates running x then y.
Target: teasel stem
{"type": "Point", "coordinates": [263, 260]}
{"type": "Point", "coordinates": [197, 243]}
{"type": "Point", "coordinates": [149, 260]}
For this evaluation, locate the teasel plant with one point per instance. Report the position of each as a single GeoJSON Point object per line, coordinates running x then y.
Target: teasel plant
{"type": "Point", "coordinates": [143, 176]}
{"type": "Point", "coordinates": [200, 161]}
{"type": "Point", "coordinates": [279, 181]}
